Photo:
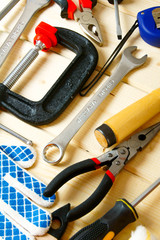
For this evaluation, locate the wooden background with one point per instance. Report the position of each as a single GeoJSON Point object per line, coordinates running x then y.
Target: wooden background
{"type": "Point", "coordinates": [138, 173]}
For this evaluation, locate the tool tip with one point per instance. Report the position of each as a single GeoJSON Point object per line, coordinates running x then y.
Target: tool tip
{"type": "Point", "coordinates": [119, 37]}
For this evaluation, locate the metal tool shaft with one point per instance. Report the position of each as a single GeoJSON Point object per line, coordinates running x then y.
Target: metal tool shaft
{"type": "Point", "coordinates": [118, 26]}
{"type": "Point", "coordinates": [7, 8]}
{"type": "Point", "coordinates": [30, 9]}
{"type": "Point", "coordinates": [15, 134]}
{"type": "Point", "coordinates": [146, 193]}
{"type": "Point", "coordinates": [23, 65]}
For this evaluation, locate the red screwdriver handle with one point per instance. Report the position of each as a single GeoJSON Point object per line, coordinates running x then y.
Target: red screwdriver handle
{"type": "Point", "coordinates": [46, 34]}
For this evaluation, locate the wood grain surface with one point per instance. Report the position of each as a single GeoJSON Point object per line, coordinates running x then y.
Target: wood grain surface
{"type": "Point", "coordinates": [139, 173]}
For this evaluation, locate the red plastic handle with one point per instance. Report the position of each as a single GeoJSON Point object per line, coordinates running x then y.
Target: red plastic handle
{"type": "Point", "coordinates": [86, 3]}
{"type": "Point", "coordinates": [46, 34]}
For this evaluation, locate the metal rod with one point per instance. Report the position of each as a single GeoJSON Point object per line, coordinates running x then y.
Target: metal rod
{"type": "Point", "coordinates": [7, 8]}
{"type": "Point", "coordinates": [118, 26]}
{"type": "Point", "coordinates": [146, 193]}
{"type": "Point", "coordinates": [17, 135]}
{"type": "Point", "coordinates": [23, 65]}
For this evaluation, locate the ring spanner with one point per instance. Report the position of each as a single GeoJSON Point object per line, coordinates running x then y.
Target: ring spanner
{"type": "Point", "coordinates": [32, 6]}
{"type": "Point", "coordinates": [127, 63]}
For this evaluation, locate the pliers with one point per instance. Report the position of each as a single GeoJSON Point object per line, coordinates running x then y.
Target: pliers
{"type": "Point", "coordinates": [114, 160]}
{"type": "Point", "coordinates": [85, 17]}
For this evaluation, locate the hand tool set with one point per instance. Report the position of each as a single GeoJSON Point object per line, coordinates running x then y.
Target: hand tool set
{"type": "Point", "coordinates": [22, 196]}
{"type": "Point", "coordinates": [114, 160]}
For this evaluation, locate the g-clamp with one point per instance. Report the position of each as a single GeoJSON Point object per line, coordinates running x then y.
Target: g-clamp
{"type": "Point", "coordinates": [64, 89]}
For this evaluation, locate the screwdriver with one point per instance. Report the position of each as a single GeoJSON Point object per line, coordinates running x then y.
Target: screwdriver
{"type": "Point", "coordinates": [108, 226]}
{"type": "Point", "coordinates": [118, 26]}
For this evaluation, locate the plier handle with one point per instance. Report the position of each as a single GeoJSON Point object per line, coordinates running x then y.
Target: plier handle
{"type": "Point", "coordinates": [114, 160]}
{"type": "Point", "coordinates": [84, 16]}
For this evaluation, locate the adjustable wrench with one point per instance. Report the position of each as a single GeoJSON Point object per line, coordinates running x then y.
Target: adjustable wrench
{"type": "Point", "coordinates": [127, 63]}
{"type": "Point", "coordinates": [32, 6]}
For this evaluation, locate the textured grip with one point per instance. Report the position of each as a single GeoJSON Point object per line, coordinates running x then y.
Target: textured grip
{"type": "Point", "coordinates": [67, 174]}
{"type": "Point", "coordinates": [92, 201]}
{"type": "Point", "coordinates": [110, 224]}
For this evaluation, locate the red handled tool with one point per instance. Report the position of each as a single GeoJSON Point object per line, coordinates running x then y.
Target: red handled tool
{"type": "Point", "coordinates": [85, 17]}
{"type": "Point", "coordinates": [114, 160]}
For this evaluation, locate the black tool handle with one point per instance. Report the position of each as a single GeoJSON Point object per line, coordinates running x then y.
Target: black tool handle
{"type": "Point", "coordinates": [110, 224]}
{"type": "Point", "coordinates": [90, 203]}
{"type": "Point", "coordinates": [67, 174]}
{"type": "Point", "coordinates": [64, 4]}
{"type": "Point", "coordinates": [112, 1]}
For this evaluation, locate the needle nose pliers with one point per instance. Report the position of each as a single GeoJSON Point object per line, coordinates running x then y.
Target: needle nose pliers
{"type": "Point", "coordinates": [85, 17]}
{"type": "Point", "coordinates": [114, 160]}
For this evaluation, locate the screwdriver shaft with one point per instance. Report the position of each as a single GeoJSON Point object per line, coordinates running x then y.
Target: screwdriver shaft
{"type": "Point", "coordinates": [23, 139]}
{"type": "Point", "coordinates": [146, 193]}
{"type": "Point", "coordinates": [118, 26]}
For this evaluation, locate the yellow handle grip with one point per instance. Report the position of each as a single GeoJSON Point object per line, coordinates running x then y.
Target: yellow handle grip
{"type": "Point", "coordinates": [118, 127]}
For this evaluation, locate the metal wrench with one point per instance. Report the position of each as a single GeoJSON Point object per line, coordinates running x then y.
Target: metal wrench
{"type": "Point", "coordinates": [32, 6]}
{"type": "Point", "coordinates": [128, 62]}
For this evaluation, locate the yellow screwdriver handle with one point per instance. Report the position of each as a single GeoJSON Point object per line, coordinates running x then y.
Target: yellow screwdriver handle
{"type": "Point", "coordinates": [118, 127]}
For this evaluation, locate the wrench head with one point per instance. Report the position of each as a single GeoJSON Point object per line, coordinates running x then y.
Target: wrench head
{"type": "Point", "coordinates": [133, 61]}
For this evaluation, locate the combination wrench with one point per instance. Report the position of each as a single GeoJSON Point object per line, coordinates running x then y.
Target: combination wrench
{"type": "Point", "coordinates": [127, 63]}
{"type": "Point", "coordinates": [32, 6]}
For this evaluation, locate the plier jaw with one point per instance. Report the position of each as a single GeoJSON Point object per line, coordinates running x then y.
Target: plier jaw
{"type": "Point", "coordinates": [89, 24]}
{"type": "Point", "coordinates": [127, 150]}
{"type": "Point", "coordinates": [139, 140]}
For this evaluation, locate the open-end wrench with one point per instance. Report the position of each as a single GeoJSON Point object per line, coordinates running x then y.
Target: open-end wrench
{"type": "Point", "coordinates": [127, 63]}
{"type": "Point", "coordinates": [32, 6]}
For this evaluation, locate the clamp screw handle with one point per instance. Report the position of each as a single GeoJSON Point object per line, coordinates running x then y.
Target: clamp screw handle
{"type": "Point", "coordinates": [45, 39]}
{"type": "Point", "coordinates": [46, 34]}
